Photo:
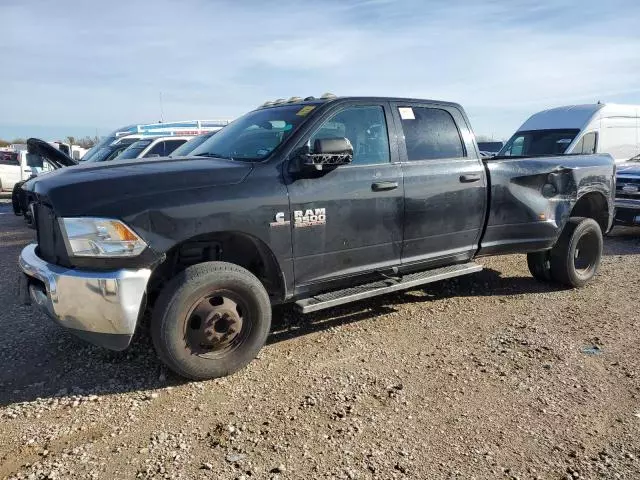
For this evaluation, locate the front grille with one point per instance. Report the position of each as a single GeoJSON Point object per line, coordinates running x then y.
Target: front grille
{"type": "Point", "coordinates": [625, 187]}
{"type": "Point", "coordinates": [50, 242]}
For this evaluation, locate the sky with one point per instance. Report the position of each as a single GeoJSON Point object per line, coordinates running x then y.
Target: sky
{"type": "Point", "coordinates": [72, 67]}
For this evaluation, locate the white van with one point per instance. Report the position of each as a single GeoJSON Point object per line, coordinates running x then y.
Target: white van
{"type": "Point", "coordinates": [594, 128]}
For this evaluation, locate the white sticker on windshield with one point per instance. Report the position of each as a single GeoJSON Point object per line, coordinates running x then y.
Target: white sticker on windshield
{"type": "Point", "coordinates": [406, 113]}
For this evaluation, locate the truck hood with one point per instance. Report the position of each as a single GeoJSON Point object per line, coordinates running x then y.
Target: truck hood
{"type": "Point", "coordinates": [60, 159]}
{"type": "Point", "coordinates": [109, 188]}
{"type": "Point", "coordinates": [629, 168]}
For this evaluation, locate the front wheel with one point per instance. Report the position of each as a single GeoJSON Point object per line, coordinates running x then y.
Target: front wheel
{"type": "Point", "coordinates": [210, 320]}
{"type": "Point", "coordinates": [576, 257]}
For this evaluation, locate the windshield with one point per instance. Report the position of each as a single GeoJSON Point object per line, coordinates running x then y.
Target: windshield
{"type": "Point", "coordinates": [99, 155]}
{"type": "Point", "coordinates": [187, 148]}
{"type": "Point", "coordinates": [107, 153]}
{"type": "Point", "coordinates": [97, 147]}
{"type": "Point", "coordinates": [255, 135]}
{"type": "Point", "coordinates": [135, 149]}
{"type": "Point", "coordinates": [539, 142]}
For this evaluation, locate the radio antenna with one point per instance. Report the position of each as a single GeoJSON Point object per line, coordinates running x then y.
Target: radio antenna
{"type": "Point", "coordinates": [161, 110]}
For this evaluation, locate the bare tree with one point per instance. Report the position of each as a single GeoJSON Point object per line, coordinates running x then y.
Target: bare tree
{"type": "Point", "coordinates": [87, 142]}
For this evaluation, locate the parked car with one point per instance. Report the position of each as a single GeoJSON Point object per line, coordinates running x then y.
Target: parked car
{"type": "Point", "coordinates": [188, 147]}
{"type": "Point", "coordinates": [40, 158]}
{"type": "Point", "coordinates": [152, 147]}
{"type": "Point", "coordinates": [183, 127]}
{"type": "Point", "coordinates": [15, 167]}
{"type": "Point", "coordinates": [628, 192]}
{"type": "Point", "coordinates": [109, 152]}
{"type": "Point", "coordinates": [316, 202]}
{"type": "Point", "coordinates": [597, 128]}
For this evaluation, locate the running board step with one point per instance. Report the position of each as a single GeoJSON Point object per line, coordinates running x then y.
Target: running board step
{"type": "Point", "coordinates": [360, 292]}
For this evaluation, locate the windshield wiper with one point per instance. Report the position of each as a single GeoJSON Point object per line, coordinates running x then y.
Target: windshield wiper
{"type": "Point", "coordinates": [215, 155]}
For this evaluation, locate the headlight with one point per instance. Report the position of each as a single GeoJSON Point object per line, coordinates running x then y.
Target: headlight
{"type": "Point", "coordinates": [100, 237]}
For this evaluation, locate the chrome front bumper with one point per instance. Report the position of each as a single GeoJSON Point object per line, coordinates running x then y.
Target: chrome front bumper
{"type": "Point", "coordinates": [101, 307]}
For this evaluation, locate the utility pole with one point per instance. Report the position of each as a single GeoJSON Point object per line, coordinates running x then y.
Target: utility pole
{"type": "Point", "coordinates": [161, 109]}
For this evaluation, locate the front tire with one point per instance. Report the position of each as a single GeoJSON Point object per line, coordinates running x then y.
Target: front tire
{"type": "Point", "coordinates": [576, 256]}
{"type": "Point", "coordinates": [210, 320]}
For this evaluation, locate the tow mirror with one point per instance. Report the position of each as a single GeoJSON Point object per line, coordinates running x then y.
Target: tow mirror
{"type": "Point", "coordinates": [328, 153]}
{"type": "Point", "coordinates": [34, 160]}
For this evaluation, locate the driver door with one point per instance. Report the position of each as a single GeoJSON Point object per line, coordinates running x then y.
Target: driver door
{"type": "Point", "coordinates": [348, 220]}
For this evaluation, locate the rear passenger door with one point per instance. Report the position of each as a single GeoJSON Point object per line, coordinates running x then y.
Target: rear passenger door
{"type": "Point", "coordinates": [444, 185]}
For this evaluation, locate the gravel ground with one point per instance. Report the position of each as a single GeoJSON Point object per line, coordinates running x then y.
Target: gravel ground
{"type": "Point", "coordinates": [488, 376]}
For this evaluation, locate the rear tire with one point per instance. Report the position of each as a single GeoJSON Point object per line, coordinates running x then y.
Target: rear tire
{"type": "Point", "coordinates": [576, 256]}
{"type": "Point", "coordinates": [540, 265]}
{"type": "Point", "coordinates": [210, 320]}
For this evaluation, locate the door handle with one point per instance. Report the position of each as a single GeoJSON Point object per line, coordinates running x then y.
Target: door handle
{"type": "Point", "coordinates": [470, 178]}
{"type": "Point", "coordinates": [382, 186]}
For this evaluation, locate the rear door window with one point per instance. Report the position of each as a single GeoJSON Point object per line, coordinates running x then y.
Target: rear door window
{"type": "Point", "coordinates": [430, 133]}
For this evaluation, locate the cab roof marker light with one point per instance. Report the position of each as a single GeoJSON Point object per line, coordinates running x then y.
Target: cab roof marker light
{"type": "Point", "coordinates": [294, 99]}
{"type": "Point", "coordinates": [328, 96]}
{"type": "Point", "coordinates": [278, 101]}
{"type": "Point", "coordinates": [309, 98]}
{"type": "Point", "coordinates": [267, 104]}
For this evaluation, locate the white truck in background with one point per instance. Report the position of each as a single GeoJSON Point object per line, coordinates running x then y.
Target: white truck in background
{"type": "Point", "coordinates": [13, 169]}
{"type": "Point", "coordinates": [15, 166]}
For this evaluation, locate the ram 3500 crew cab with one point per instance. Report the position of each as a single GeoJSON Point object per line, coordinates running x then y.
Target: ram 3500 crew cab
{"type": "Point", "coordinates": [317, 202]}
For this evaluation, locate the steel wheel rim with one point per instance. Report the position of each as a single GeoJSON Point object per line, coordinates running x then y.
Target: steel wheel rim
{"type": "Point", "coordinates": [217, 324]}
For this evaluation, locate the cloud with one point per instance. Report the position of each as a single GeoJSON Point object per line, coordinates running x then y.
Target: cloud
{"type": "Point", "coordinates": [104, 64]}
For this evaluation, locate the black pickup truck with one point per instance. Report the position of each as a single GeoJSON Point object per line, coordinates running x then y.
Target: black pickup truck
{"type": "Point", "coordinates": [316, 202]}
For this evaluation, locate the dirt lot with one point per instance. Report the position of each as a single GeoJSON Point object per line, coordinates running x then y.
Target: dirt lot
{"type": "Point", "coordinates": [490, 376]}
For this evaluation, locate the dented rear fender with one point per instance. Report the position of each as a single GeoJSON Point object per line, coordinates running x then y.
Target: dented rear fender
{"type": "Point", "coordinates": [531, 199]}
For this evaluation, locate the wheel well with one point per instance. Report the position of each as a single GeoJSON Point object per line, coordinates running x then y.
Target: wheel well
{"type": "Point", "coordinates": [234, 247]}
{"type": "Point", "coordinates": [593, 205]}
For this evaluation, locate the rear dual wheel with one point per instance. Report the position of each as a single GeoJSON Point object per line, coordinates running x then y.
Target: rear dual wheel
{"type": "Point", "coordinates": [575, 258]}
{"type": "Point", "coordinates": [211, 320]}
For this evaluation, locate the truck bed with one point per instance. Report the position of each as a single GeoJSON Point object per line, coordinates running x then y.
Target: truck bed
{"type": "Point", "coordinates": [531, 198]}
